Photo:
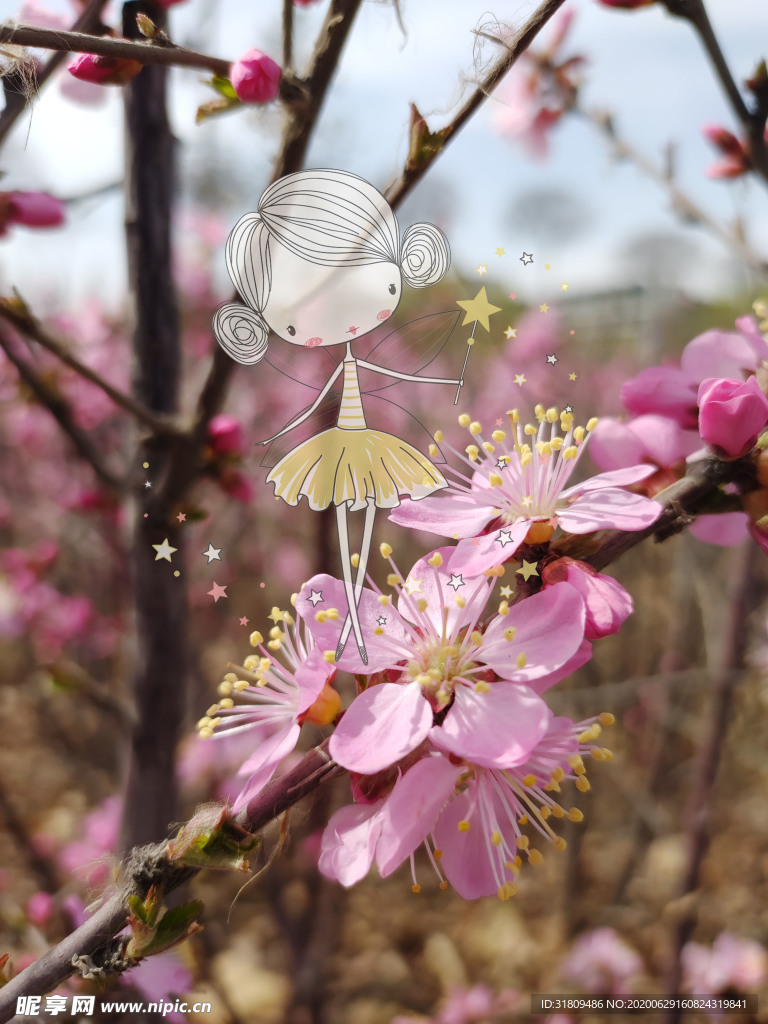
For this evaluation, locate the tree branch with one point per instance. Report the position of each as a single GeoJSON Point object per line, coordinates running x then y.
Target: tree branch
{"type": "Point", "coordinates": [61, 411]}
{"type": "Point", "coordinates": [16, 313]}
{"type": "Point", "coordinates": [513, 51]}
{"type": "Point", "coordinates": [167, 54]}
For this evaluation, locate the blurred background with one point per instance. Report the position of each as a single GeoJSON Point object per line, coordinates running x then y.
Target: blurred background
{"type": "Point", "coordinates": [597, 164]}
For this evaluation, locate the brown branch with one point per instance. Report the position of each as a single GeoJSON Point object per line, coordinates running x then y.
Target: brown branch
{"type": "Point", "coordinates": [15, 312]}
{"type": "Point", "coordinates": [513, 51]}
{"type": "Point", "coordinates": [16, 102]}
{"type": "Point", "coordinates": [61, 411]}
{"type": "Point", "coordinates": [681, 203]}
{"type": "Point", "coordinates": [149, 865]}
{"type": "Point", "coordinates": [694, 12]}
{"type": "Point", "coordinates": [167, 54]}
{"type": "Point", "coordinates": [287, 35]}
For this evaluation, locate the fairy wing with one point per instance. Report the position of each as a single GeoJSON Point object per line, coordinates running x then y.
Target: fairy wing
{"type": "Point", "coordinates": [323, 418]}
{"type": "Point", "coordinates": [409, 348]}
{"type": "Point", "coordinates": [312, 370]}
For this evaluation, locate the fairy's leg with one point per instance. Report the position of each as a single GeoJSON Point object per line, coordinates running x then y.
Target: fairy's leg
{"type": "Point", "coordinates": [362, 568]}
{"type": "Point", "coordinates": [346, 566]}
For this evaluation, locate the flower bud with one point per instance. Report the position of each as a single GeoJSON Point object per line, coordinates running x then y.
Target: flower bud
{"type": "Point", "coordinates": [255, 77]}
{"type": "Point", "coordinates": [33, 209]}
{"type": "Point", "coordinates": [91, 67]}
{"type": "Point", "coordinates": [731, 414]}
{"type": "Point", "coordinates": [606, 603]}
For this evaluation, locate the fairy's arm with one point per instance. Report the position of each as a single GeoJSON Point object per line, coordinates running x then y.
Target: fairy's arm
{"type": "Point", "coordinates": [407, 376]}
{"type": "Point", "coordinates": [310, 410]}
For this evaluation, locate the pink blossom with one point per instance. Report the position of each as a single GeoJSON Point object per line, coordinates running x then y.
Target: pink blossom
{"type": "Point", "coordinates": [517, 493]}
{"type": "Point", "coordinates": [161, 977]}
{"type": "Point", "coordinates": [732, 963]}
{"type": "Point", "coordinates": [629, 5]}
{"type": "Point", "coordinates": [40, 908]}
{"type": "Point", "coordinates": [737, 160]}
{"type": "Point", "coordinates": [606, 602]}
{"type": "Point", "coordinates": [99, 70]}
{"type": "Point", "coordinates": [225, 435]}
{"type": "Point", "coordinates": [440, 660]}
{"type": "Point", "coordinates": [731, 414]}
{"type": "Point", "coordinates": [601, 961]}
{"type": "Point", "coordinates": [256, 77]}
{"type": "Point", "coordinates": [86, 857]}
{"type": "Point", "coordinates": [276, 696]}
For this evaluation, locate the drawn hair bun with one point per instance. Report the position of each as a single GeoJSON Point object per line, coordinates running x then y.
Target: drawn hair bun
{"type": "Point", "coordinates": [241, 332]}
{"type": "Point", "coordinates": [425, 256]}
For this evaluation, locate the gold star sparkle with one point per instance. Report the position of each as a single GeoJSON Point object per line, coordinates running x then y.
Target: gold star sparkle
{"type": "Point", "coordinates": [479, 309]}
{"type": "Point", "coordinates": [528, 569]}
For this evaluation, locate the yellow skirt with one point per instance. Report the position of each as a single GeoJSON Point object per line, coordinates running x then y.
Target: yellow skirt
{"type": "Point", "coordinates": [341, 465]}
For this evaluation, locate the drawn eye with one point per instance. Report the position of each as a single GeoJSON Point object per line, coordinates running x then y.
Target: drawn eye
{"type": "Point", "coordinates": [392, 289]}
{"type": "Point", "coordinates": [291, 330]}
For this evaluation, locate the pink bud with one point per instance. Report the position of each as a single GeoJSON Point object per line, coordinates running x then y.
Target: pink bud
{"type": "Point", "coordinates": [731, 414]}
{"type": "Point", "coordinates": [606, 602]}
{"type": "Point", "coordinates": [35, 209]}
{"type": "Point", "coordinates": [626, 4]}
{"type": "Point", "coordinates": [255, 77]}
{"type": "Point", "coordinates": [90, 67]}
{"type": "Point", "coordinates": [737, 160]}
{"type": "Point", "coordinates": [225, 435]}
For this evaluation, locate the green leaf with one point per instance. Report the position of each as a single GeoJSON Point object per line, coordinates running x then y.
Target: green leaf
{"type": "Point", "coordinates": [215, 107]}
{"type": "Point", "coordinates": [174, 926]}
{"type": "Point", "coordinates": [212, 839]}
{"type": "Point", "coordinates": [224, 86]}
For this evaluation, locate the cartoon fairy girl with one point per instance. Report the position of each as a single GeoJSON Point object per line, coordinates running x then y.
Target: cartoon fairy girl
{"type": "Point", "coordinates": [321, 263]}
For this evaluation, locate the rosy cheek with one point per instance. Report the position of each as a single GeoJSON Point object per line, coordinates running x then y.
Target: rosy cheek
{"type": "Point", "coordinates": [384, 314]}
{"type": "Point", "coordinates": [313, 342]}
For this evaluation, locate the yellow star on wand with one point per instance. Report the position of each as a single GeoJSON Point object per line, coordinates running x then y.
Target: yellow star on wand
{"type": "Point", "coordinates": [528, 569]}
{"type": "Point", "coordinates": [479, 309]}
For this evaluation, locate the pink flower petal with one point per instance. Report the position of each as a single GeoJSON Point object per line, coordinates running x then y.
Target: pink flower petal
{"type": "Point", "coordinates": [311, 676]}
{"type": "Point", "coordinates": [612, 508]}
{"type": "Point", "coordinates": [434, 586]}
{"type": "Point", "coordinates": [614, 478]}
{"type": "Point", "coordinates": [718, 353]}
{"type": "Point", "coordinates": [474, 556]}
{"type": "Point", "coordinates": [465, 859]}
{"type": "Point", "coordinates": [263, 763]}
{"type": "Point", "coordinates": [411, 810]}
{"type": "Point", "coordinates": [381, 726]}
{"type": "Point", "coordinates": [495, 730]}
{"type": "Point", "coordinates": [448, 516]}
{"type": "Point", "coordinates": [349, 841]}
{"type": "Point", "coordinates": [581, 657]}
{"type": "Point", "coordinates": [549, 627]}
{"type": "Point", "coordinates": [725, 530]}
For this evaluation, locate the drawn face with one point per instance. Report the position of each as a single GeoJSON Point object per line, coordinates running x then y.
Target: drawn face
{"type": "Point", "coordinates": [314, 306]}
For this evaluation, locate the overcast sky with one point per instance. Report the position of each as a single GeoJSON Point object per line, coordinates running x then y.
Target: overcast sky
{"type": "Point", "coordinates": [645, 67]}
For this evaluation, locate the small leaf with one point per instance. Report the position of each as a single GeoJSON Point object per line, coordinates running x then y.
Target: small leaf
{"type": "Point", "coordinates": [212, 839]}
{"type": "Point", "coordinates": [224, 86]}
{"type": "Point", "coordinates": [174, 926]}
{"type": "Point", "coordinates": [423, 145]}
{"type": "Point", "coordinates": [215, 107]}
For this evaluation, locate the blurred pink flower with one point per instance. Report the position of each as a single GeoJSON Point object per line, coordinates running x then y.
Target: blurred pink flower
{"type": "Point", "coordinates": [99, 70]}
{"type": "Point", "coordinates": [737, 160]}
{"type": "Point", "coordinates": [87, 857]}
{"type": "Point", "coordinates": [731, 414]}
{"type": "Point", "coordinates": [31, 209]}
{"type": "Point", "coordinates": [731, 963]}
{"type": "Point", "coordinates": [255, 77]}
{"type": "Point", "coordinates": [601, 961]}
{"type": "Point", "coordinates": [40, 908]}
{"type": "Point", "coordinates": [225, 435]}
{"type": "Point", "coordinates": [474, 1005]}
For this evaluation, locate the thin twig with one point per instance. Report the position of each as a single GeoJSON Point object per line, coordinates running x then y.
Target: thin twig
{"type": "Point", "coordinates": [29, 325]}
{"type": "Point", "coordinates": [61, 411]}
{"type": "Point", "coordinates": [513, 51]}
{"type": "Point", "coordinates": [287, 35]}
{"type": "Point", "coordinates": [694, 12]}
{"type": "Point", "coordinates": [86, 22]}
{"type": "Point", "coordinates": [105, 46]}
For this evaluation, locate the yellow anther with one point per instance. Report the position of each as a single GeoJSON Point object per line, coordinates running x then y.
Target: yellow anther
{"type": "Point", "coordinates": [416, 888]}
{"type": "Point", "coordinates": [504, 607]}
{"type": "Point", "coordinates": [434, 451]}
{"type": "Point", "coordinates": [230, 677]}
{"type": "Point", "coordinates": [601, 753]}
{"type": "Point", "coordinates": [557, 811]}
{"type": "Point", "coordinates": [559, 843]}
{"type": "Point", "coordinates": [535, 857]}
{"type": "Point", "coordinates": [495, 570]}
{"type": "Point", "coordinates": [489, 448]}
{"type": "Point", "coordinates": [530, 430]}
{"type": "Point", "coordinates": [464, 420]}
{"type": "Point", "coordinates": [225, 688]}
{"type": "Point", "coordinates": [276, 633]}
{"type": "Point", "coordinates": [287, 619]}
{"type": "Point", "coordinates": [321, 616]}
{"type": "Point", "coordinates": [514, 415]}
{"type": "Point", "coordinates": [204, 721]}
{"type": "Point", "coordinates": [423, 679]}
{"type": "Point", "coordinates": [538, 411]}
{"type": "Point", "coordinates": [385, 549]}
{"type": "Point", "coordinates": [545, 813]}
{"type": "Point", "coordinates": [275, 645]}
{"type": "Point", "coordinates": [354, 560]}
{"type": "Point", "coordinates": [384, 599]}
{"type": "Point", "coordinates": [526, 458]}
{"type": "Point", "coordinates": [481, 686]}
{"type": "Point", "coordinates": [570, 452]}
{"type": "Point", "coordinates": [251, 663]}
{"type": "Point", "coordinates": [606, 718]}
{"type": "Point", "coordinates": [463, 826]}
{"type": "Point", "coordinates": [499, 435]}
{"type": "Point", "coordinates": [521, 660]}
{"type": "Point", "coordinates": [205, 733]}
{"type": "Point", "coordinates": [438, 436]}
{"type": "Point", "coordinates": [578, 434]}
{"type": "Point", "coordinates": [240, 685]}
{"type": "Point", "coordinates": [582, 784]}
{"type": "Point", "coordinates": [472, 451]}
{"type": "Point", "coordinates": [436, 560]}
{"type": "Point", "coordinates": [506, 891]}
{"type": "Point", "coordinates": [553, 415]}
{"type": "Point", "coordinates": [592, 423]}
{"type": "Point", "coordinates": [523, 819]}
{"type": "Point", "coordinates": [476, 637]}
{"type": "Point", "coordinates": [556, 443]}
{"type": "Point", "coordinates": [329, 657]}
{"type": "Point", "coordinates": [516, 863]}
{"type": "Point", "coordinates": [510, 632]}
{"type": "Point", "coordinates": [496, 838]}
{"type": "Point", "coordinates": [437, 854]}
{"type": "Point", "coordinates": [256, 638]}
{"type": "Point", "coordinates": [522, 842]}
{"type": "Point", "coordinates": [333, 614]}
{"type": "Point", "coordinates": [475, 428]}
{"type": "Point", "coordinates": [227, 702]}
{"type": "Point", "coordinates": [574, 814]}
{"type": "Point", "coordinates": [460, 601]}
{"type": "Point", "coordinates": [444, 884]}
{"type": "Point", "coordinates": [212, 710]}
{"type": "Point", "coordinates": [558, 775]}
{"type": "Point", "coordinates": [393, 580]}
{"type": "Point", "coordinates": [422, 604]}
{"type": "Point", "coordinates": [293, 600]}
{"type": "Point", "coordinates": [529, 779]}
{"type": "Point", "coordinates": [215, 722]}
{"type": "Point", "coordinates": [576, 762]}
{"type": "Point", "coordinates": [265, 664]}
{"type": "Point", "coordinates": [495, 480]}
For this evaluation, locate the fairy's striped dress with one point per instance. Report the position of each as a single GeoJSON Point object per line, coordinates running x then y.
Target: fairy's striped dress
{"type": "Point", "coordinates": [351, 463]}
